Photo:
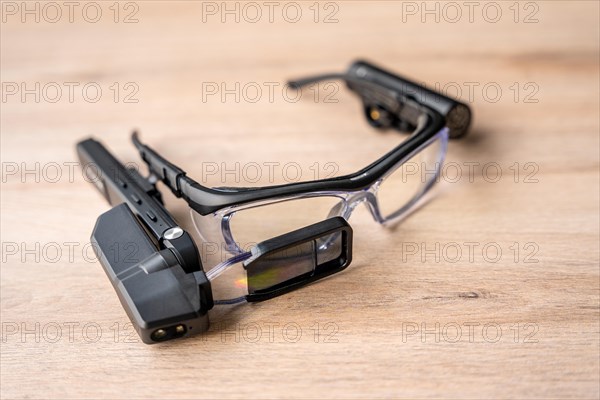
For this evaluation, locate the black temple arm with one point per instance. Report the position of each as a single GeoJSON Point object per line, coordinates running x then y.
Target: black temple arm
{"type": "Point", "coordinates": [169, 173]}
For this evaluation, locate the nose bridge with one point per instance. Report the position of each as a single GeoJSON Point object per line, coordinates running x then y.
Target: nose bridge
{"type": "Point", "coordinates": [365, 196]}
{"type": "Point", "coordinates": [357, 198]}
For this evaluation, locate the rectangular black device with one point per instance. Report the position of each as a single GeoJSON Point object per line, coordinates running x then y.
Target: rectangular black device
{"type": "Point", "coordinates": [152, 263]}
{"type": "Point", "coordinates": [295, 259]}
{"type": "Point", "coordinates": [457, 115]}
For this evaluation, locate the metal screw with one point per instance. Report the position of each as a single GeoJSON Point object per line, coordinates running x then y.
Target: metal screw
{"type": "Point", "coordinates": [173, 233]}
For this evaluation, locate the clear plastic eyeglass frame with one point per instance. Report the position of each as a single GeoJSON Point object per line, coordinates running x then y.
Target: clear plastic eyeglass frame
{"type": "Point", "coordinates": [221, 215]}
{"type": "Point", "coordinates": [217, 227]}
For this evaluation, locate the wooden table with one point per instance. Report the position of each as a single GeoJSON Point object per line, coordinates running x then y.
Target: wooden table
{"type": "Point", "coordinates": [491, 290]}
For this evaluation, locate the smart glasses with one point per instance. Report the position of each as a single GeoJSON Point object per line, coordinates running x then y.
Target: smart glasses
{"type": "Point", "coordinates": [279, 238]}
{"type": "Point", "coordinates": [390, 187]}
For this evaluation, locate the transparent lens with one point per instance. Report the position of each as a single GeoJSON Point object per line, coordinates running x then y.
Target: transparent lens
{"type": "Point", "coordinates": [230, 282]}
{"type": "Point", "coordinates": [236, 231]}
{"type": "Point", "coordinates": [403, 187]}
{"type": "Point", "coordinates": [256, 224]}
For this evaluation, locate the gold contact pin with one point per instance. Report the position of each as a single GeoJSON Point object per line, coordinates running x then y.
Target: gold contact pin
{"type": "Point", "coordinates": [159, 334]}
{"type": "Point", "coordinates": [375, 115]}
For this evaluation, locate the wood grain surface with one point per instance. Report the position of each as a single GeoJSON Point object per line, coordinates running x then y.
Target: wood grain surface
{"type": "Point", "coordinates": [491, 290]}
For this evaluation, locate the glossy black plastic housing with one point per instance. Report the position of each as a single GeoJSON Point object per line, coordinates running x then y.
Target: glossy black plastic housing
{"type": "Point", "coordinates": [456, 114]}
{"type": "Point", "coordinates": [162, 301]}
{"type": "Point", "coordinates": [333, 229]}
{"type": "Point", "coordinates": [120, 185]}
{"type": "Point", "coordinates": [152, 263]}
{"type": "Point", "coordinates": [390, 95]}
